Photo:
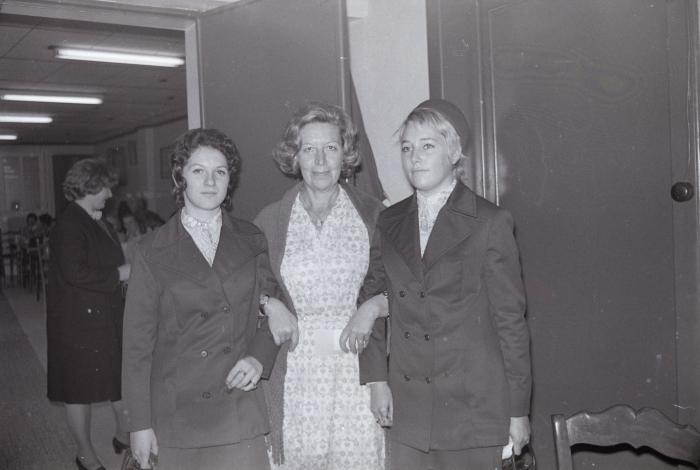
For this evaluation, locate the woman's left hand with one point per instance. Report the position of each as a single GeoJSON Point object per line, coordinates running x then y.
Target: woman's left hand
{"type": "Point", "coordinates": [357, 332]}
{"type": "Point", "coordinates": [282, 323]}
{"type": "Point", "coordinates": [519, 433]}
{"type": "Point", "coordinates": [245, 374]}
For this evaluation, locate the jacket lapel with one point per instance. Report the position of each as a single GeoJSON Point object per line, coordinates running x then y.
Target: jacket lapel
{"type": "Point", "coordinates": [455, 222]}
{"type": "Point", "coordinates": [174, 249]}
{"type": "Point", "coordinates": [234, 249]}
{"type": "Point", "coordinates": [402, 231]}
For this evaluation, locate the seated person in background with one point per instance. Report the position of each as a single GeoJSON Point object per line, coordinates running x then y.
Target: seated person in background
{"type": "Point", "coordinates": [132, 227]}
{"type": "Point", "coordinates": [129, 227]}
{"type": "Point", "coordinates": [459, 367]}
{"type": "Point", "coordinates": [46, 221]}
{"type": "Point", "coordinates": [147, 219]}
{"type": "Point", "coordinates": [195, 345]}
{"type": "Point", "coordinates": [31, 230]}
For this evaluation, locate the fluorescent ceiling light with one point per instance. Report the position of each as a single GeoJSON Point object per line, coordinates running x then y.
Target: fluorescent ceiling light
{"type": "Point", "coordinates": [118, 57]}
{"type": "Point", "coordinates": [52, 98]}
{"type": "Point", "coordinates": [25, 118]}
{"type": "Point", "coordinates": [8, 136]}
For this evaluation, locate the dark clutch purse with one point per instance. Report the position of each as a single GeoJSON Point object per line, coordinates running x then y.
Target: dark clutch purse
{"type": "Point", "coordinates": [524, 461]}
{"type": "Point", "coordinates": [130, 462]}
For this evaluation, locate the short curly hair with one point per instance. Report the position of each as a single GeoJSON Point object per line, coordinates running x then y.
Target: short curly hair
{"type": "Point", "coordinates": [285, 151]}
{"type": "Point", "coordinates": [186, 146]}
{"type": "Point", "coordinates": [88, 176]}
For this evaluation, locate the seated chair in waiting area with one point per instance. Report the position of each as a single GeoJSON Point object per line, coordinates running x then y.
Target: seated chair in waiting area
{"type": "Point", "coordinates": [621, 424]}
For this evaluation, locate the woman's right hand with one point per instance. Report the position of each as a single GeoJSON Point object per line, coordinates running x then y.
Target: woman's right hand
{"type": "Point", "coordinates": [124, 272]}
{"type": "Point", "coordinates": [381, 403]}
{"type": "Point", "coordinates": [282, 323]}
{"type": "Point", "coordinates": [143, 444]}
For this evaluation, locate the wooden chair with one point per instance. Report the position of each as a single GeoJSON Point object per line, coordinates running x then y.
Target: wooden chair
{"type": "Point", "coordinates": [8, 257]}
{"type": "Point", "coordinates": [620, 424]}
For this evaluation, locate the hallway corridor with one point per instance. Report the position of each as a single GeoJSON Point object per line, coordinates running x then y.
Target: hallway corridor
{"type": "Point", "coordinates": [33, 431]}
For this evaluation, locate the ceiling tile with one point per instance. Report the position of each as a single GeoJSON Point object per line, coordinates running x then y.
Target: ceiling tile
{"type": "Point", "coordinates": [30, 71]}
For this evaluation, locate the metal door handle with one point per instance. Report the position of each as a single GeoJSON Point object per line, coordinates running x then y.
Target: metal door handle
{"type": "Point", "coordinates": [682, 191]}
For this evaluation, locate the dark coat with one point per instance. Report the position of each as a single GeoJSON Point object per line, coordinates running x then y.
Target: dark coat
{"type": "Point", "coordinates": [459, 366]}
{"type": "Point", "coordinates": [186, 325]}
{"type": "Point", "coordinates": [84, 310]}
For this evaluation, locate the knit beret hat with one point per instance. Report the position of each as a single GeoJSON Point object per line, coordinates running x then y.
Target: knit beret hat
{"type": "Point", "coordinates": [453, 115]}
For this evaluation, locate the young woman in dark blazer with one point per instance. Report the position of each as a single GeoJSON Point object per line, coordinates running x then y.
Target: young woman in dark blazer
{"type": "Point", "coordinates": [195, 345]}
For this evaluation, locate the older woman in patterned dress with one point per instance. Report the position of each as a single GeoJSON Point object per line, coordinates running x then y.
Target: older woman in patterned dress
{"type": "Point", "coordinates": [319, 237]}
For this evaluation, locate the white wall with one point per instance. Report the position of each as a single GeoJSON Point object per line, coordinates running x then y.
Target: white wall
{"type": "Point", "coordinates": [144, 177]}
{"type": "Point", "coordinates": [389, 64]}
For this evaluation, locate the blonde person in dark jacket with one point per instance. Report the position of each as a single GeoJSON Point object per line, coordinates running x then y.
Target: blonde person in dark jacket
{"type": "Point", "coordinates": [195, 346]}
{"type": "Point", "coordinates": [457, 386]}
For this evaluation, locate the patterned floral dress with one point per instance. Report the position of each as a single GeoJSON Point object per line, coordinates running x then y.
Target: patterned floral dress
{"type": "Point", "coordinates": [328, 424]}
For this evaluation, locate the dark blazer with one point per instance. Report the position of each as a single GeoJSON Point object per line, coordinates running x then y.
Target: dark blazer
{"type": "Point", "coordinates": [84, 309]}
{"type": "Point", "coordinates": [186, 325]}
{"type": "Point", "coordinates": [459, 366]}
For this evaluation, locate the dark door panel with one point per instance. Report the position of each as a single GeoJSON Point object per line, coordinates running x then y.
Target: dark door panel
{"type": "Point", "coordinates": [259, 61]}
{"type": "Point", "coordinates": [581, 118]}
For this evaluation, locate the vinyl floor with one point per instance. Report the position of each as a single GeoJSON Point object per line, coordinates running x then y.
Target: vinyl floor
{"type": "Point", "coordinates": [33, 431]}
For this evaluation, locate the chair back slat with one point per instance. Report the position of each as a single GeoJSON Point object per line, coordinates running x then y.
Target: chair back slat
{"type": "Point", "coordinates": [621, 424]}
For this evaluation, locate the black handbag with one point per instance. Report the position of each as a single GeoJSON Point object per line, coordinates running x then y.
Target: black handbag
{"type": "Point", "coordinates": [524, 461]}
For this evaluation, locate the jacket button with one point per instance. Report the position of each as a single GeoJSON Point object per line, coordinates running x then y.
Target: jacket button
{"type": "Point", "coordinates": [402, 293]}
{"type": "Point", "coordinates": [407, 378]}
{"type": "Point", "coordinates": [226, 308]}
{"type": "Point", "coordinates": [427, 380]}
{"type": "Point", "coordinates": [227, 349]}
{"type": "Point", "coordinates": [204, 315]}
{"type": "Point", "coordinates": [204, 353]}
{"type": "Point", "coordinates": [422, 294]}
{"type": "Point", "coordinates": [407, 335]}
{"type": "Point", "coordinates": [427, 337]}
{"type": "Point", "coordinates": [206, 395]}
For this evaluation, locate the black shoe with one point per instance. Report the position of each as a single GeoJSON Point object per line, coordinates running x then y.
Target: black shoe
{"type": "Point", "coordinates": [83, 467]}
{"type": "Point", "coordinates": [119, 446]}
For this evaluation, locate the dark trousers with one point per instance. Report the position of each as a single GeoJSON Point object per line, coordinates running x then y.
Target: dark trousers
{"type": "Point", "coordinates": [404, 457]}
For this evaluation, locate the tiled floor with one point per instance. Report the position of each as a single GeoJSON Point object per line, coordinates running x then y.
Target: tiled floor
{"type": "Point", "coordinates": [30, 315]}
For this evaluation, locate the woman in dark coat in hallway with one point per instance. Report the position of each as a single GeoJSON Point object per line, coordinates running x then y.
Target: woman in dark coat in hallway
{"type": "Point", "coordinates": [85, 306]}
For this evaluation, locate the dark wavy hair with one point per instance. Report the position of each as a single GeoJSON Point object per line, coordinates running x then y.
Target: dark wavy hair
{"type": "Point", "coordinates": [185, 147]}
{"type": "Point", "coordinates": [285, 151]}
{"type": "Point", "coordinates": [88, 176]}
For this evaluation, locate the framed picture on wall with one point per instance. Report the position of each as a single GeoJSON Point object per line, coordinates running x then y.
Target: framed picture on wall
{"type": "Point", "coordinates": [165, 161]}
{"type": "Point", "coordinates": [116, 157]}
{"type": "Point", "coordinates": [131, 151]}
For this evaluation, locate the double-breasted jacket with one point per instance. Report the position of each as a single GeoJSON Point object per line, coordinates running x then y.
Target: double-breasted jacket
{"type": "Point", "coordinates": [459, 360]}
{"type": "Point", "coordinates": [186, 324]}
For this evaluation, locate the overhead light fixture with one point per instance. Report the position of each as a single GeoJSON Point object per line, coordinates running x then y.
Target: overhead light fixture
{"type": "Point", "coordinates": [117, 57]}
{"type": "Point", "coordinates": [51, 98]}
{"type": "Point", "coordinates": [5, 136]}
{"type": "Point", "coordinates": [25, 118]}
